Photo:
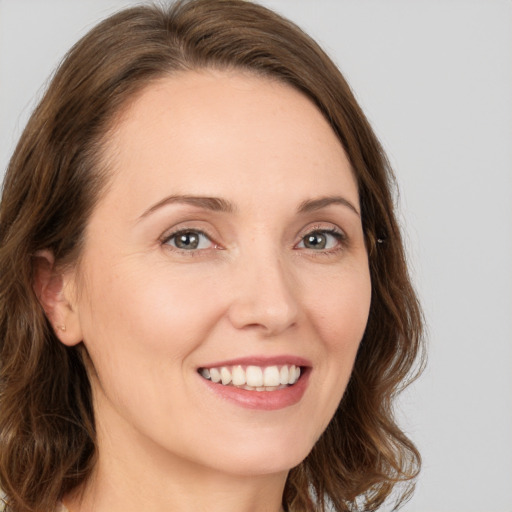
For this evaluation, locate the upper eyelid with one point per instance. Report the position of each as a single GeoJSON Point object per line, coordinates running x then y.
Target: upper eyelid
{"type": "Point", "coordinates": [337, 234]}
{"type": "Point", "coordinates": [319, 226]}
{"type": "Point", "coordinates": [328, 227]}
{"type": "Point", "coordinates": [166, 238]}
{"type": "Point", "coordinates": [167, 235]}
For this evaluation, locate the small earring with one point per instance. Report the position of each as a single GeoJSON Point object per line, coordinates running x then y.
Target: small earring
{"type": "Point", "coordinates": [62, 327]}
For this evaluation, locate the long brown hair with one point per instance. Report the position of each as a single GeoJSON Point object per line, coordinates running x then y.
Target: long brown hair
{"type": "Point", "coordinates": [54, 179]}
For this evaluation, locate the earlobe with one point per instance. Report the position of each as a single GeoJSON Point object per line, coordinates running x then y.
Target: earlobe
{"type": "Point", "coordinates": [52, 290]}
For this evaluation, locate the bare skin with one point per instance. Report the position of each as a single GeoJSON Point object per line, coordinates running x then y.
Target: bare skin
{"type": "Point", "coordinates": [274, 267]}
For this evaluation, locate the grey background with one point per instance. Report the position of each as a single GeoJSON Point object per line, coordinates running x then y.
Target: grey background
{"type": "Point", "coordinates": [435, 79]}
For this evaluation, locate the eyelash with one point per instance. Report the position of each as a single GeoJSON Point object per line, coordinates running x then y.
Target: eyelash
{"type": "Point", "coordinates": [337, 234]}
{"type": "Point", "coordinates": [189, 252]}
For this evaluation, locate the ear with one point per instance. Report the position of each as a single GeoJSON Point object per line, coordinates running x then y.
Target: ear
{"type": "Point", "coordinates": [55, 291]}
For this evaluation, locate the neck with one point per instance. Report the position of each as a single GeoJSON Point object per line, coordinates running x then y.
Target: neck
{"type": "Point", "coordinates": [143, 478]}
{"type": "Point", "coordinates": [179, 493]}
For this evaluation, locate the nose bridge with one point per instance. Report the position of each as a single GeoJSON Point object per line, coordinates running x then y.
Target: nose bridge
{"type": "Point", "coordinates": [265, 290]}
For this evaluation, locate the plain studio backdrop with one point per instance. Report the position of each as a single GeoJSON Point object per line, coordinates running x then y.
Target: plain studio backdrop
{"type": "Point", "coordinates": [435, 79]}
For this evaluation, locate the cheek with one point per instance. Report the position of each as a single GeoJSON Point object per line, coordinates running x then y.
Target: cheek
{"type": "Point", "coordinates": [145, 315]}
{"type": "Point", "coordinates": [140, 327]}
{"type": "Point", "coordinates": [338, 316]}
{"type": "Point", "coordinates": [339, 310]}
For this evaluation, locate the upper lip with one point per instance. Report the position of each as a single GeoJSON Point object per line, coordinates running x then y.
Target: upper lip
{"type": "Point", "coordinates": [262, 361]}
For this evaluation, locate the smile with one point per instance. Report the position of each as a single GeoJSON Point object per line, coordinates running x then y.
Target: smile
{"type": "Point", "coordinates": [253, 378]}
{"type": "Point", "coordinates": [258, 382]}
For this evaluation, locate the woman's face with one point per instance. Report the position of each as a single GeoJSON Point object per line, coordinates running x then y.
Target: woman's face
{"type": "Point", "coordinates": [228, 245]}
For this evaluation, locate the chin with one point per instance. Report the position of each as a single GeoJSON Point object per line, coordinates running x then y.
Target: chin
{"type": "Point", "coordinates": [253, 459]}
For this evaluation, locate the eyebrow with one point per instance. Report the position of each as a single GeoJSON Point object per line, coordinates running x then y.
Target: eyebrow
{"type": "Point", "coordinates": [217, 204]}
{"type": "Point", "coordinates": [214, 204]}
{"type": "Point", "coordinates": [322, 202]}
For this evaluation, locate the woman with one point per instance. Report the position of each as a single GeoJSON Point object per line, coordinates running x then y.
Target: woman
{"type": "Point", "coordinates": [204, 297]}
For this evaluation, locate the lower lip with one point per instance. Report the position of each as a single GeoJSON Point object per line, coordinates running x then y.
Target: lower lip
{"type": "Point", "coordinates": [262, 400]}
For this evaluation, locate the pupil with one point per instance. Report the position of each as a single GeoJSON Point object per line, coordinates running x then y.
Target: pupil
{"type": "Point", "coordinates": [187, 241]}
{"type": "Point", "coordinates": [315, 241]}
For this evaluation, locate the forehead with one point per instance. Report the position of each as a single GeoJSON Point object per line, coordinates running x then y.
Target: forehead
{"type": "Point", "coordinates": [205, 132]}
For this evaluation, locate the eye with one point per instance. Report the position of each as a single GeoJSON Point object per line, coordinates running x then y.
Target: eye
{"type": "Point", "coordinates": [321, 240]}
{"type": "Point", "coordinates": [189, 240]}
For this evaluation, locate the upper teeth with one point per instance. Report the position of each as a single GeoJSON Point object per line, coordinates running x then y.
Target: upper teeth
{"type": "Point", "coordinates": [253, 376]}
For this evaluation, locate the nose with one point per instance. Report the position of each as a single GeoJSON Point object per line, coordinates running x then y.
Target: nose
{"type": "Point", "coordinates": [265, 296]}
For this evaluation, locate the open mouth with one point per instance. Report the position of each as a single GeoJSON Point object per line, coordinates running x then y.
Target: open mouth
{"type": "Point", "coordinates": [254, 378]}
